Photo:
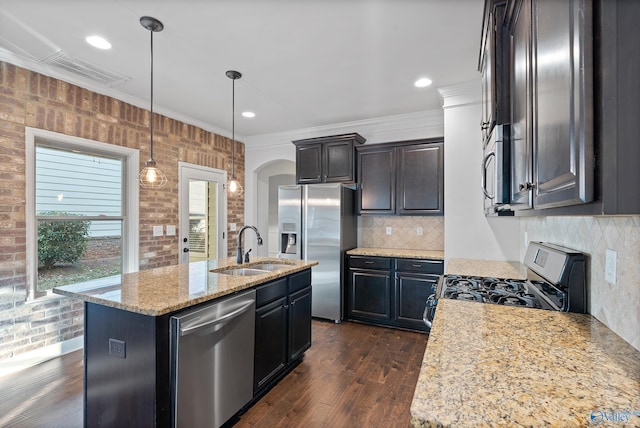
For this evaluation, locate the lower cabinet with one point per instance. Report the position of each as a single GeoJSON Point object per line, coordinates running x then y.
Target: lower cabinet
{"type": "Point", "coordinates": [283, 327]}
{"type": "Point", "coordinates": [391, 291]}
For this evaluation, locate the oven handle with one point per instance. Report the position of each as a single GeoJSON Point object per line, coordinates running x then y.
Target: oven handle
{"type": "Point", "coordinates": [484, 174]}
{"type": "Point", "coordinates": [429, 310]}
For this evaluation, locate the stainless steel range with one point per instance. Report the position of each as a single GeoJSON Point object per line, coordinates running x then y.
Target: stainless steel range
{"type": "Point", "coordinates": [555, 281]}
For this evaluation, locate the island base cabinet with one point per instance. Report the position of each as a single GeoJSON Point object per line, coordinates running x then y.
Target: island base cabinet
{"type": "Point", "coordinates": [283, 328]}
{"type": "Point", "coordinates": [126, 363]}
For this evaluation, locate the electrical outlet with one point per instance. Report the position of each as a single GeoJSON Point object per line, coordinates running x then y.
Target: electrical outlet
{"type": "Point", "coordinates": [117, 348]}
{"type": "Point", "coordinates": [388, 230]}
{"type": "Point", "coordinates": [610, 266]}
{"type": "Point", "coordinates": [232, 227]}
{"type": "Point", "coordinates": [157, 231]}
{"type": "Point", "coordinates": [171, 230]}
{"type": "Point", "coordinates": [419, 231]}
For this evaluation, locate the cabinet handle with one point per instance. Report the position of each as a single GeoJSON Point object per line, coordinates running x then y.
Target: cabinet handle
{"type": "Point", "coordinates": [484, 174]}
{"type": "Point", "coordinates": [369, 262]}
{"type": "Point", "coordinates": [416, 265]}
{"type": "Point", "coordinates": [526, 186]}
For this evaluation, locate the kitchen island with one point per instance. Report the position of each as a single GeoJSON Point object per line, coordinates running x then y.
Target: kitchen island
{"type": "Point", "coordinates": [127, 331]}
{"type": "Point", "coordinates": [491, 365]}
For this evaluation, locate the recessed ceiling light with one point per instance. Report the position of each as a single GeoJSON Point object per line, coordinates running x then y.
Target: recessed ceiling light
{"type": "Point", "coordinates": [98, 42]}
{"type": "Point", "coordinates": [248, 114]}
{"type": "Point", "coordinates": [422, 82]}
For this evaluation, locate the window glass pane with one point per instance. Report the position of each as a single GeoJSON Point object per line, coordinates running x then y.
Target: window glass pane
{"type": "Point", "coordinates": [69, 182]}
{"type": "Point", "coordinates": [69, 251]}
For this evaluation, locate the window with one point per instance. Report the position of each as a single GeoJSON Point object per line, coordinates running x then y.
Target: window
{"type": "Point", "coordinates": [82, 210]}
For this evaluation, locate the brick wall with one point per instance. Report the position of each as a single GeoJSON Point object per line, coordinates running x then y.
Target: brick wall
{"type": "Point", "coordinates": [32, 99]}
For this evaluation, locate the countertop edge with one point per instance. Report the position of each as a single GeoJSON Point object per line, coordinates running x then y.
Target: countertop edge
{"type": "Point", "coordinates": [247, 283]}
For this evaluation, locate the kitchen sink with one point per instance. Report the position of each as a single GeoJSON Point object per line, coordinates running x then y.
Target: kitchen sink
{"type": "Point", "coordinates": [270, 266]}
{"type": "Point", "coordinates": [242, 271]}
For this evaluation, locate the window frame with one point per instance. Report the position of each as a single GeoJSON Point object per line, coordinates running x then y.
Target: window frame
{"type": "Point", "coordinates": [131, 193]}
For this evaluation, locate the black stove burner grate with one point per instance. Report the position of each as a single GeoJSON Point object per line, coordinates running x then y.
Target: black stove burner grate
{"type": "Point", "coordinates": [511, 292]}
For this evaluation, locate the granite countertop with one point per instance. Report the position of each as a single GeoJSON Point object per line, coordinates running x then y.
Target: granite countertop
{"type": "Point", "coordinates": [397, 252]}
{"type": "Point", "coordinates": [490, 365]}
{"type": "Point", "coordinates": [162, 290]}
{"type": "Point", "coordinates": [491, 268]}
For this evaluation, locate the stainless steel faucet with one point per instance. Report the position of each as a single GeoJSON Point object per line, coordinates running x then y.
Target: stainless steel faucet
{"type": "Point", "coordinates": [239, 254]}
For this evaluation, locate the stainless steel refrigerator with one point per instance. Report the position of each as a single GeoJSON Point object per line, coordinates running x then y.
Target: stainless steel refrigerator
{"type": "Point", "coordinates": [318, 222]}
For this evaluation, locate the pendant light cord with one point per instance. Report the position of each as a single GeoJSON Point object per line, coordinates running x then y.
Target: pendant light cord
{"type": "Point", "coordinates": [233, 129]}
{"type": "Point", "coordinates": [151, 109]}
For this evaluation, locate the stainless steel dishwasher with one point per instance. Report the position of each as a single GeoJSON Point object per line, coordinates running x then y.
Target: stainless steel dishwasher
{"type": "Point", "coordinates": [212, 351]}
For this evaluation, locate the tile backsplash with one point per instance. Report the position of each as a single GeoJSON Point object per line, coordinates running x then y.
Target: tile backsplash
{"type": "Point", "coordinates": [615, 305]}
{"type": "Point", "coordinates": [404, 232]}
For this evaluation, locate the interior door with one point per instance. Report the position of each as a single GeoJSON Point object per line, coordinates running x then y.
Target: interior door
{"type": "Point", "coordinates": [203, 213]}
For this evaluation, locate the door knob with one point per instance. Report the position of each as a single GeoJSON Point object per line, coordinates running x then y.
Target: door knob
{"type": "Point", "coordinates": [185, 250]}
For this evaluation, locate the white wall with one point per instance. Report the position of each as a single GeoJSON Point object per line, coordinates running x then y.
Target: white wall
{"type": "Point", "coordinates": [467, 232]}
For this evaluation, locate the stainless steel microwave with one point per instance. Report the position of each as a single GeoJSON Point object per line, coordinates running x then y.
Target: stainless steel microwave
{"type": "Point", "coordinates": [496, 168]}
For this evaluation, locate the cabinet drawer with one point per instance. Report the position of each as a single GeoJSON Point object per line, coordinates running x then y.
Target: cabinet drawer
{"type": "Point", "coordinates": [271, 291]}
{"type": "Point", "coordinates": [370, 262]}
{"type": "Point", "coordinates": [435, 267]}
{"type": "Point", "coordinates": [299, 280]}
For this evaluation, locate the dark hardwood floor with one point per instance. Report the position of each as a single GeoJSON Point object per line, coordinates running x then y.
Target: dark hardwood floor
{"type": "Point", "coordinates": [354, 375]}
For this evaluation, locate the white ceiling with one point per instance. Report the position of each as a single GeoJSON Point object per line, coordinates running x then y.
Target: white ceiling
{"type": "Point", "coordinates": [305, 63]}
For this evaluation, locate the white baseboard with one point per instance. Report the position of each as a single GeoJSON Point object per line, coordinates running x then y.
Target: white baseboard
{"type": "Point", "coordinates": [37, 356]}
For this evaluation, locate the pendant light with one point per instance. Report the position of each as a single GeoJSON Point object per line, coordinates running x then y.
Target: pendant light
{"type": "Point", "coordinates": [150, 176]}
{"type": "Point", "coordinates": [233, 185]}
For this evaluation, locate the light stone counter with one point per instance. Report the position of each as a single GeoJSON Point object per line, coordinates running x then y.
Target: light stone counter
{"type": "Point", "coordinates": [397, 252]}
{"type": "Point", "coordinates": [490, 365]}
{"type": "Point", "coordinates": [162, 290]}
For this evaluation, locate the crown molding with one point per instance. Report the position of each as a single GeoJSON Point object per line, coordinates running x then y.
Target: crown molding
{"type": "Point", "coordinates": [469, 93]}
{"type": "Point", "coordinates": [87, 84]}
{"type": "Point", "coordinates": [410, 126]}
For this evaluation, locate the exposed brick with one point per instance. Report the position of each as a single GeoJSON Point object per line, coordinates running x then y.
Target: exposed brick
{"type": "Point", "coordinates": [31, 99]}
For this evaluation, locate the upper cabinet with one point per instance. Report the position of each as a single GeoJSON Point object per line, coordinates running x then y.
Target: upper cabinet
{"type": "Point", "coordinates": [327, 159]}
{"type": "Point", "coordinates": [551, 103]}
{"type": "Point", "coordinates": [494, 67]}
{"type": "Point", "coordinates": [571, 98]}
{"type": "Point", "coordinates": [401, 178]}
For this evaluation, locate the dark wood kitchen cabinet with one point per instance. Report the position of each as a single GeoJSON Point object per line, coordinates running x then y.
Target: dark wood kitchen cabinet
{"type": "Point", "coordinates": [376, 180]}
{"type": "Point", "coordinates": [415, 281]}
{"type": "Point", "coordinates": [404, 178]}
{"type": "Point", "coordinates": [391, 291]}
{"type": "Point", "coordinates": [494, 68]}
{"type": "Point", "coordinates": [327, 159]}
{"type": "Point", "coordinates": [370, 297]}
{"type": "Point", "coordinates": [420, 179]}
{"type": "Point", "coordinates": [283, 327]}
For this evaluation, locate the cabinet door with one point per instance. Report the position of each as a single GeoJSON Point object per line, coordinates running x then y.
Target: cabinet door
{"type": "Point", "coordinates": [563, 116]}
{"type": "Point", "coordinates": [299, 323]}
{"type": "Point", "coordinates": [309, 163]}
{"type": "Point", "coordinates": [420, 187]}
{"type": "Point", "coordinates": [271, 342]}
{"type": "Point", "coordinates": [487, 70]}
{"type": "Point", "coordinates": [376, 178]}
{"type": "Point", "coordinates": [338, 162]}
{"type": "Point", "coordinates": [521, 104]}
{"type": "Point", "coordinates": [412, 291]}
{"type": "Point", "coordinates": [370, 295]}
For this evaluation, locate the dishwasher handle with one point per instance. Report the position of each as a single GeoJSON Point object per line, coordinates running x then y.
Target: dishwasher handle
{"type": "Point", "coordinates": [198, 324]}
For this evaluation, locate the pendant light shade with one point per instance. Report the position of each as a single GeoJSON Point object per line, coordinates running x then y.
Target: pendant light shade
{"type": "Point", "coordinates": [151, 176]}
{"type": "Point", "coordinates": [233, 185]}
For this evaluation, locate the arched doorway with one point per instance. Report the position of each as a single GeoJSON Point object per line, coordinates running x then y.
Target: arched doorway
{"type": "Point", "coordinates": [270, 176]}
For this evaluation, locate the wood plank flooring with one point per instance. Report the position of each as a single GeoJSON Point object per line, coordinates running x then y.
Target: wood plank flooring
{"type": "Point", "coordinates": [354, 375]}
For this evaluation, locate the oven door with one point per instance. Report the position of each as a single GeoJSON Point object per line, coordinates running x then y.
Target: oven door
{"type": "Point", "coordinates": [495, 172]}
